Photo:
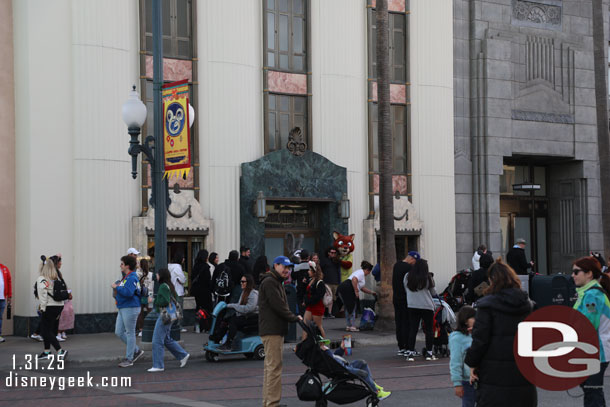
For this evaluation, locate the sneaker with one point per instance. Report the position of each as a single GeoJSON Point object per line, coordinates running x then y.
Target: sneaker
{"type": "Point", "coordinates": [155, 369]}
{"type": "Point", "coordinates": [401, 352]}
{"type": "Point", "coordinates": [140, 334]}
{"type": "Point", "coordinates": [354, 329]}
{"type": "Point", "coordinates": [63, 335]}
{"type": "Point", "coordinates": [183, 330]}
{"type": "Point", "coordinates": [184, 360]}
{"type": "Point", "coordinates": [36, 337]}
{"type": "Point", "coordinates": [382, 395]}
{"type": "Point", "coordinates": [63, 353]}
{"type": "Point", "coordinates": [44, 356]}
{"type": "Point", "coordinates": [59, 338]}
{"type": "Point", "coordinates": [378, 387]}
{"type": "Point", "coordinates": [2, 339]}
{"type": "Point", "coordinates": [409, 355]}
{"type": "Point", "coordinates": [430, 356]}
{"type": "Point", "coordinates": [126, 363]}
{"type": "Point", "coordinates": [137, 355]}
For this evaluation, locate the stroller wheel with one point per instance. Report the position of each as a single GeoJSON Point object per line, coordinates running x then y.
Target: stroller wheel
{"type": "Point", "coordinates": [259, 352]}
{"type": "Point", "coordinates": [372, 402]}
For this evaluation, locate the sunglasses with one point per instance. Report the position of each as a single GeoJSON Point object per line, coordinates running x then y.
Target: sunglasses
{"type": "Point", "coordinates": [577, 270]}
{"type": "Point", "coordinates": [243, 281]}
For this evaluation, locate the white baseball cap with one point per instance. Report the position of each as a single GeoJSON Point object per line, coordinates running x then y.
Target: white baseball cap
{"type": "Point", "coordinates": [132, 250]}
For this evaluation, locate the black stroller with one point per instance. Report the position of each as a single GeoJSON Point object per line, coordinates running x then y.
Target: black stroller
{"type": "Point", "coordinates": [343, 387]}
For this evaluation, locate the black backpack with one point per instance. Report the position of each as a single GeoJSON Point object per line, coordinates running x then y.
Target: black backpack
{"type": "Point", "coordinates": [223, 285]}
{"type": "Point", "coordinates": [60, 291]}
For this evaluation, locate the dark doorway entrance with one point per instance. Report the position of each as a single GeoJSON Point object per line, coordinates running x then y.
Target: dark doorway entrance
{"type": "Point", "coordinates": [524, 213]}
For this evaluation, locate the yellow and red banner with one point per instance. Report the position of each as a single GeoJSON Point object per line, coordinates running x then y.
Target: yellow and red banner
{"type": "Point", "coordinates": [176, 129]}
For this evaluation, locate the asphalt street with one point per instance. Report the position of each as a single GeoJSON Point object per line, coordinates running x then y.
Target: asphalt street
{"type": "Point", "coordinates": [236, 382]}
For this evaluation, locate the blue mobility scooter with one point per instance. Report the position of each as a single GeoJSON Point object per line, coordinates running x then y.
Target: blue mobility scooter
{"type": "Point", "coordinates": [246, 342]}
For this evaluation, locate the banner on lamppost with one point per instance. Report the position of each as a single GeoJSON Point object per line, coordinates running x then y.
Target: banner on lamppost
{"type": "Point", "coordinates": [176, 129]}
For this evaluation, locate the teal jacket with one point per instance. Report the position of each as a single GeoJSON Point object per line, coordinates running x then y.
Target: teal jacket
{"type": "Point", "coordinates": [458, 345]}
{"type": "Point", "coordinates": [594, 305]}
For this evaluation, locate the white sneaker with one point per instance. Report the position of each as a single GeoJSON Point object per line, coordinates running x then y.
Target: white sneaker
{"type": "Point", "coordinates": [155, 369]}
{"type": "Point", "coordinates": [140, 333]}
{"type": "Point", "coordinates": [59, 338]}
{"type": "Point", "coordinates": [183, 330]}
{"type": "Point", "coordinates": [2, 339]}
{"type": "Point", "coordinates": [184, 360]}
{"type": "Point", "coordinates": [63, 335]}
{"type": "Point", "coordinates": [430, 356]}
{"type": "Point", "coordinates": [36, 337]}
{"type": "Point", "coordinates": [409, 356]}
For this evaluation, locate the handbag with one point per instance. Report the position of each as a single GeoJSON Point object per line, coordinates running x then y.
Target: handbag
{"type": "Point", "coordinates": [171, 313]}
{"type": "Point", "coordinates": [309, 387]}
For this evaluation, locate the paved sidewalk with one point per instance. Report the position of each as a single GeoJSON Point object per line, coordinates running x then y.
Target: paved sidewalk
{"type": "Point", "coordinates": [106, 347]}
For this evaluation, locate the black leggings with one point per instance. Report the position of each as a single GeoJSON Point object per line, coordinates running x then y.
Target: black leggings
{"type": "Point", "coordinates": [48, 325]}
{"type": "Point", "coordinates": [415, 316]}
{"type": "Point", "coordinates": [236, 323]}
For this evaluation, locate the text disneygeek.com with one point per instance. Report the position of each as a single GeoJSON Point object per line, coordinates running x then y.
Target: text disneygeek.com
{"type": "Point", "coordinates": [16, 380]}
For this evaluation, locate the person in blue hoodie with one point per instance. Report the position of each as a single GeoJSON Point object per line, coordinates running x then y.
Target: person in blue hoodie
{"type": "Point", "coordinates": [128, 302]}
{"type": "Point", "coordinates": [593, 303]}
{"type": "Point", "coordinates": [459, 342]}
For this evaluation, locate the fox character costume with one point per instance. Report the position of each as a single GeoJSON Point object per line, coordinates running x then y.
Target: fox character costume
{"type": "Point", "coordinates": [345, 247]}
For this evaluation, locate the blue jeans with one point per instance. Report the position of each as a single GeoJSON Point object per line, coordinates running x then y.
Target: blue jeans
{"type": "Point", "coordinates": [125, 329]}
{"type": "Point", "coordinates": [469, 397]}
{"type": "Point", "coordinates": [594, 388]}
{"type": "Point", "coordinates": [361, 369]}
{"type": "Point", "coordinates": [160, 338]}
{"type": "Point", "coordinates": [2, 305]}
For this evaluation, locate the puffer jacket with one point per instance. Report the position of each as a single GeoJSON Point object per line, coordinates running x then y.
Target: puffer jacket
{"type": "Point", "coordinates": [273, 312]}
{"type": "Point", "coordinates": [491, 352]}
{"type": "Point", "coordinates": [593, 304]}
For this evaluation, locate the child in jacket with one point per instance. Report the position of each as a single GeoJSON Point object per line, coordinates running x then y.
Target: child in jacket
{"type": "Point", "coordinates": [459, 342]}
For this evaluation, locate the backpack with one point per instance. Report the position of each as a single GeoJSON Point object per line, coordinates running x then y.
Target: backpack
{"type": "Point", "coordinates": [328, 297]}
{"type": "Point", "coordinates": [60, 291]}
{"type": "Point", "coordinates": [223, 285]}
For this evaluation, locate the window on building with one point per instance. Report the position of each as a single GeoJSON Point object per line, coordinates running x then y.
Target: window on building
{"type": "Point", "coordinates": [286, 28]}
{"type": "Point", "coordinates": [284, 112]}
{"type": "Point", "coordinates": [397, 27]}
{"type": "Point", "coordinates": [177, 28]}
{"type": "Point", "coordinates": [399, 131]}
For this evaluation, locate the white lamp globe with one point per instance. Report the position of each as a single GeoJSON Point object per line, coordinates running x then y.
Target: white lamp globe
{"type": "Point", "coordinates": [134, 111]}
{"type": "Point", "coordinates": [191, 115]}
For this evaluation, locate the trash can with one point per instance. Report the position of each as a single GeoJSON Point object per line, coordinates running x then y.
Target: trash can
{"type": "Point", "coordinates": [554, 289]}
{"type": "Point", "coordinates": [291, 296]}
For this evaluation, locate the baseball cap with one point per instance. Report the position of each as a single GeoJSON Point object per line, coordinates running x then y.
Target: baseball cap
{"type": "Point", "coordinates": [282, 260]}
{"type": "Point", "coordinates": [521, 240]}
{"type": "Point", "coordinates": [414, 254]}
{"type": "Point", "coordinates": [132, 250]}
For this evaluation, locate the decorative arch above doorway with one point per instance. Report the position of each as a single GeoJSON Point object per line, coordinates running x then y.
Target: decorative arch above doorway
{"type": "Point", "coordinates": [303, 194]}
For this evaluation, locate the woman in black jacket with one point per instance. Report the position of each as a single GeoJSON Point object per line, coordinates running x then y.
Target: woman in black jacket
{"type": "Point", "coordinates": [314, 296]}
{"type": "Point", "coordinates": [201, 282]}
{"type": "Point", "coordinates": [490, 357]}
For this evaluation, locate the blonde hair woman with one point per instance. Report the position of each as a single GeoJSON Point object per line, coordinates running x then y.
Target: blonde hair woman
{"type": "Point", "coordinates": [314, 295]}
{"type": "Point", "coordinates": [50, 308]}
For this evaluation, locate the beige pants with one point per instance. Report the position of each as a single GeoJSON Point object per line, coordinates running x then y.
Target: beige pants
{"type": "Point", "coordinates": [272, 382]}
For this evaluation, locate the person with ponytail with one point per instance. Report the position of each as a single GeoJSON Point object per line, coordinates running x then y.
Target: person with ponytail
{"type": "Point", "coordinates": [49, 307]}
{"type": "Point", "coordinates": [246, 311]}
{"type": "Point", "coordinates": [593, 303]}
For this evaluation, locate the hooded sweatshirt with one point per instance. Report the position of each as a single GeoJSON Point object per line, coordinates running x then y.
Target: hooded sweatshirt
{"type": "Point", "coordinates": [593, 304]}
{"type": "Point", "coordinates": [128, 291]}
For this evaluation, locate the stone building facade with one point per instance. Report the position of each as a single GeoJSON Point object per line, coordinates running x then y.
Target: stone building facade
{"type": "Point", "coordinates": [525, 119]}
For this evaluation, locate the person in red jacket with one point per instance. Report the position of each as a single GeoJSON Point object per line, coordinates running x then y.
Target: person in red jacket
{"type": "Point", "coordinates": [6, 293]}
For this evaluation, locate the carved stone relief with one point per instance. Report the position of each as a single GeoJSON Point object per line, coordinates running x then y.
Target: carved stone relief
{"type": "Point", "coordinates": [543, 13]}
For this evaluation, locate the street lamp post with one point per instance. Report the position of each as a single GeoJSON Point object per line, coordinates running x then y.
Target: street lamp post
{"type": "Point", "coordinates": [134, 115]}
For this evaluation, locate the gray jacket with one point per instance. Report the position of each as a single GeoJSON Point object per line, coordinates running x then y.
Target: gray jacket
{"type": "Point", "coordinates": [421, 299]}
{"type": "Point", "coordinates": [251, 307]}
